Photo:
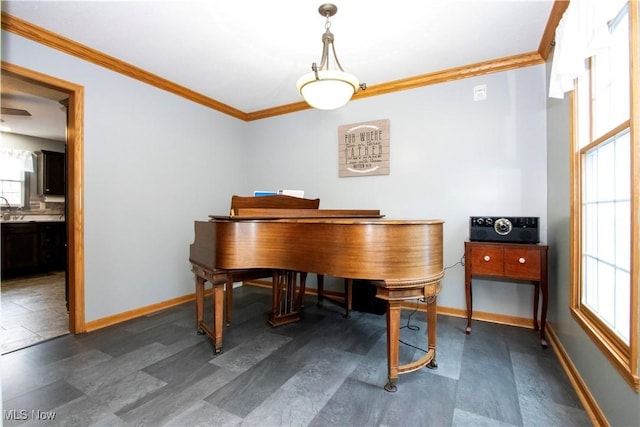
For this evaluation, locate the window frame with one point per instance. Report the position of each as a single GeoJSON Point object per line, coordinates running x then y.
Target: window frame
{"type": "Point", "coordinates": [24, 192]}
{"type": "Point", "coordinates": [623, 356]}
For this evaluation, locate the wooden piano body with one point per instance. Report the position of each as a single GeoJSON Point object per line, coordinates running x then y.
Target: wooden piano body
{"type": "Point", "coordinates": [402, 258]}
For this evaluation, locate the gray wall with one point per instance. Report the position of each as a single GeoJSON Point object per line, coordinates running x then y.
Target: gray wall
{"type": "Point", "coordinates": [451, 158]}
{"type": "Point", "coordinates": [153, 162]}
{"type": "Point", "coordinates": [620, 404]}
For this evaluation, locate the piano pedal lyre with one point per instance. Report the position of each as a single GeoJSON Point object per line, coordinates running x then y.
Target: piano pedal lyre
{"type": "Point", "coordinates": [287, 297]}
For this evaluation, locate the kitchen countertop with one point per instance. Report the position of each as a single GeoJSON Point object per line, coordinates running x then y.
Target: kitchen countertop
{"type": "Point", "coordinates": [17, 219]}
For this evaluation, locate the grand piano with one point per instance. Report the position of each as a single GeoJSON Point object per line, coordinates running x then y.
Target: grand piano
{"type": "Point", "coordinates": [403, 259]}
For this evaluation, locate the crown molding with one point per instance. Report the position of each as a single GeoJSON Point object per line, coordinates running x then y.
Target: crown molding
{"type": "Point", "coordinates": [548, 37]}
{"type": "Point", "coordinates": [457, 73]}
{"type": "Point", "coordinates": [48, 38]}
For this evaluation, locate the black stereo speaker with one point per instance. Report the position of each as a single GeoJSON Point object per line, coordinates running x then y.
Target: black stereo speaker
{"type": "Point", "coordinates": [504, 229]}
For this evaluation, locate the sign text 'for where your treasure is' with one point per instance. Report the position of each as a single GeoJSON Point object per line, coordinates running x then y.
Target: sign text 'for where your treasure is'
{"type": "Point", "coordinates": [363, 148]}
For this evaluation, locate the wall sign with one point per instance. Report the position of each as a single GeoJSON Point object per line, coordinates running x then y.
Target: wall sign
{"type": "Point", "coordinates": [363, 148]}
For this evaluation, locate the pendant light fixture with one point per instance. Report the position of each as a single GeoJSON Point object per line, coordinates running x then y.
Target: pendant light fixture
{"type": "Point", "coordinates": [327, 86]}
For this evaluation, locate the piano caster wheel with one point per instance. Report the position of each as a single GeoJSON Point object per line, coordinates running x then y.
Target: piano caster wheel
{"type": "Point", "coordinates": [200, 332]}
{"type": "Point", "coordinates": [433, 364]}
{"type": "Point", "coordinates": [390, 387]}
{"type": "Point", "coordinates": [543, 343]}
{"type": "Point", "coordinates": [467, 330]}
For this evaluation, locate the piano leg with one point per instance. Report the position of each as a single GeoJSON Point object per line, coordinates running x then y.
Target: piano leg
{"type": "Point", "coordinates": [199, 304]}
{"type": "Point", "coordinates": [320, 288]}
{"type": "Point", "coordinates": [218, 305]}
{"type": "Point", "coordinates": [395, 297]}
{"type": "Point", "coordinates": [218, 280]}
{"type": "Point", "coordinates": [228, 293]}
{"type": "Point", "coordinates": [346, 303]}
{"type": "Point", "coordinates": [393, 344]}
{"type": "Point", "coordinates": [289, 290]}
{"type": "Point", "coordinates": [301, 290]}
{"type": "Point", "coordinates": [276, 294]}
{"type": "Point", "coordinates": [432, 322]}
{"type": "Point", "coordinates": [348, 297]}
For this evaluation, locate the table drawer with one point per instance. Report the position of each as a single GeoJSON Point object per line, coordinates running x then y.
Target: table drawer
{"type": "Point", "coordinates": [522, 263]}
{"type": "Point", "coordinates": [487, 260]}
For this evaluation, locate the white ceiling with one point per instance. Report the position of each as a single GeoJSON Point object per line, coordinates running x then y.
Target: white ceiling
{"type": "Point", "coordinates": [48, 117]}
{"type": "Point", "coordinates": [248, 54]}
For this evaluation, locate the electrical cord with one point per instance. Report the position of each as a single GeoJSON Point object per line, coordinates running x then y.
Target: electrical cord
{"type": "Point", "coordinates": [461, 262]}
{"type": "Point", "coordinates": [412, 327]}
{"type": "Point", "coordinates": [409, 325]}
{"type": "Point", "coordinates": [418, 300]}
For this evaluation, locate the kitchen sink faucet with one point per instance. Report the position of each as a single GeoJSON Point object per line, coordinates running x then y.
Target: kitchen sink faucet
{"type": "Point", "coordinates": [7, 215]}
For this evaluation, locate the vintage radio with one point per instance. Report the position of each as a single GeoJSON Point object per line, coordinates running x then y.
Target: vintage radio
{"type": "Point", "coordinates": [504, 229]}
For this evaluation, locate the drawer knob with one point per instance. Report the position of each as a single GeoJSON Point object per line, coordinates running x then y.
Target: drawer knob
{"type": "Point", "coordinates": [487, 258]}
{"type": "Point", "coordinates": [522, 260]}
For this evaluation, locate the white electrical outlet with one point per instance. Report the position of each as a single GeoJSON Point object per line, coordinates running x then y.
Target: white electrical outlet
{"type": "Point", "coordinates": [480, 93]}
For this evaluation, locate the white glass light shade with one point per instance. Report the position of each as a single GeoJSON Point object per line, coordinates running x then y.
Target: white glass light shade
{"type": "Point", "coordinates": [331, 90]}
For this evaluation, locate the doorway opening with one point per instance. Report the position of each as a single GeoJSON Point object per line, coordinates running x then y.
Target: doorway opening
{"type": "Point", "coordinates": [73, 274]}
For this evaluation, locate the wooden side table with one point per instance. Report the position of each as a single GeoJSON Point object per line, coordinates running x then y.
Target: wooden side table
{"type": "Point", "coordinates": [511, 261]}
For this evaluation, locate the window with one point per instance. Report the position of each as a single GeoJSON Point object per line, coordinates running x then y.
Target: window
{"type": "Point", "coordinates": [15, 167]}
{"type": "Point", "coordinates": [12, 188]}
{"type": "Point", "coordinates": [606, 215]}
{"type": "Point", "coordinates": [605, 191]}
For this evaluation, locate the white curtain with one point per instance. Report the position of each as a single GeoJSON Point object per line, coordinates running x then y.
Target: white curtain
{"type": "Point", "coordinates": [582, 31]}
{"type": "Point", "coordinates": [13, 161]}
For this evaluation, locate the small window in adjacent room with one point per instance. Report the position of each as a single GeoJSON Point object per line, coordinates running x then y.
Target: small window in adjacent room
{"type": "Point", "coordinates": [15, 168]}
{"type": "Point", "coordinates": [12, 188]}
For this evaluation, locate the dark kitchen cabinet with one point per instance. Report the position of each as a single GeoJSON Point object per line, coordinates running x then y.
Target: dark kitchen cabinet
{"type": "Point", "coordinates": [51, 173]}
{"type": "Point", "coordinates": [20, 249]}
{"type": "Point", "coordinates": [33, 247]}
{"type": "Point", "coordinates": [53, 254]}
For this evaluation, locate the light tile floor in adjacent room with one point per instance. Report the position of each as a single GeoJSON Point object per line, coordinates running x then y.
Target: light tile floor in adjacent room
{"type": "Point", "coordinates": [33, 310]}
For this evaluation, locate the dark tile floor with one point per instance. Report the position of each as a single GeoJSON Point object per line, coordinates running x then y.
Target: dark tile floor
{"type": "Point", "coordinates": [324, 370]}
{"type": "Point", "coordinates": [34, 309]}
